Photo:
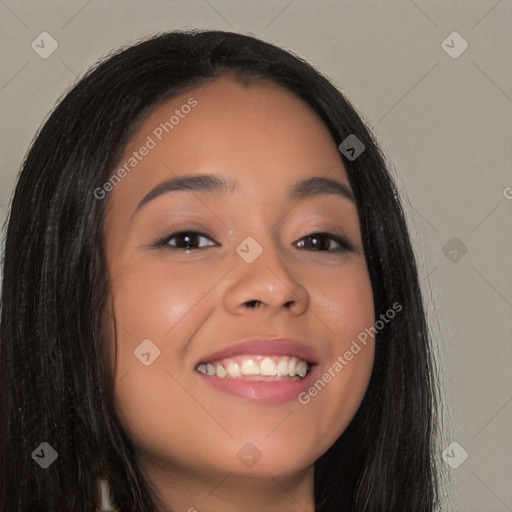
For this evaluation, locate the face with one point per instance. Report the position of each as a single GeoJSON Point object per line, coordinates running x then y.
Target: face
{"type": "Point", "coordinates": [262, 282]}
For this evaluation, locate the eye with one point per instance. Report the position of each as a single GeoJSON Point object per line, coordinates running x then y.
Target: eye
{"type": "Point", "coordinates": [185, 241]}
{"type": "Point", "coordinates": [323, 242]}
{"type": "Point", "coordinates": [188, 241]}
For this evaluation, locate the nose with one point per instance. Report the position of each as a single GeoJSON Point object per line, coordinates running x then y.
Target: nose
{"type": "Point", "coordinates": [265, 284]}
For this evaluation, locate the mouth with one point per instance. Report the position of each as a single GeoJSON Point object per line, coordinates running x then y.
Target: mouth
{"type": "Point", "coordinates": [265, 371]}
{"type": "Point", "coordinates": [257, 368]}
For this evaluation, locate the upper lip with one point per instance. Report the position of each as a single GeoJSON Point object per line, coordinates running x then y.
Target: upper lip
{"type": "Point", "coordinates": [265, 347]}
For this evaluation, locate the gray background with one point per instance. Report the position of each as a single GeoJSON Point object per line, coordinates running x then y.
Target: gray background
{"type": "Point", "coordinates": [444, 124]}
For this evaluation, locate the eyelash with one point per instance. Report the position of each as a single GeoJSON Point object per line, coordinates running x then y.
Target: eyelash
{"type": "Point", "coordinates": [344, 244]}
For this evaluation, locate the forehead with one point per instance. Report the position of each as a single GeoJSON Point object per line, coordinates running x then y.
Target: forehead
{"type": "Point", "coordinates": [261, 134]}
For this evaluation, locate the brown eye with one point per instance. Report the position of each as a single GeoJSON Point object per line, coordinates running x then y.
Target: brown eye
{"type": "Point", "coordinates": [325, 242]}
{"type": "Point", "coordinates": [186, 241]}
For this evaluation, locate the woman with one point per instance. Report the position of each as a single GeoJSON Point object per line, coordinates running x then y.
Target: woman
{"type": "Point", "coordinates": [210, 297]}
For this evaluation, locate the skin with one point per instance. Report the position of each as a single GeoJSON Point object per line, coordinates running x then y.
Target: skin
{"type": "Point", "coordinates": [186, 433]}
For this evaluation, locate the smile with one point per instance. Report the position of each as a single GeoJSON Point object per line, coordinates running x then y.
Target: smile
{"type": "Point", "coordinates": [257, 368]}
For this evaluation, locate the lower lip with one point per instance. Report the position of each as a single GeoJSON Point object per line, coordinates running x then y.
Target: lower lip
{"type": "Point", "coordinates": [276, 392]}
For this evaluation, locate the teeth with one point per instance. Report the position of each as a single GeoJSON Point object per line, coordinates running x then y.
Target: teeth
{"type": "Point", "coordinates": [291, 367]}
{"type": "Point", "coordinates": [302, 368]}
{"type": "Point", "coordinates": [250, 366]}
{"type": "Point", "coordinates": [268, 367]}
{"type": "Point", "coordinates": [282, 367]}
{"type": "Point", "coordinates": [221, 371]}
{"type": "Point", "coordinates": [234, 369]}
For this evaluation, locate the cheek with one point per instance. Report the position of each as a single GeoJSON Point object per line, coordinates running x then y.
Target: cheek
{"type": "Point", "coordinates": [347, 304]}
{"type": "Point", "coordinates": [151, 301]}
{"type": "Point", "coordinates": [158, 303]}
{"type": "Point", "coordinates": [344, 299]}
{"type": "Point", "coordinates": [156, 311]}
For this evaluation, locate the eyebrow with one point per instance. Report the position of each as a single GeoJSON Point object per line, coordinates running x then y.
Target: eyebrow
{"type": "Point", "coordinates": [218, 184]}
